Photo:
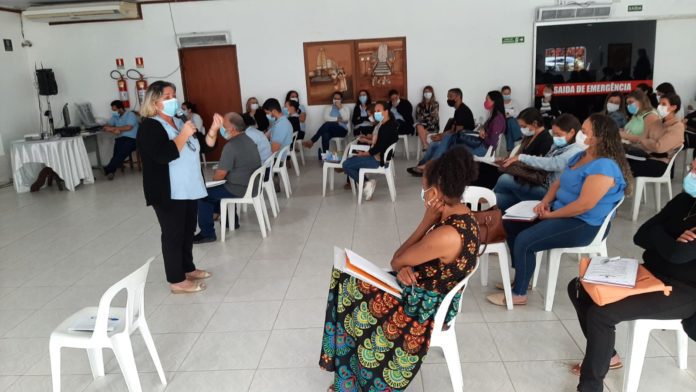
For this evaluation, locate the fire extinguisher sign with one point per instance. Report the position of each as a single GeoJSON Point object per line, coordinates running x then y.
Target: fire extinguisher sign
{"type": "Point", "coordinates": [139, 62]}
{"type": "Point", "coordinates": [119, 63]}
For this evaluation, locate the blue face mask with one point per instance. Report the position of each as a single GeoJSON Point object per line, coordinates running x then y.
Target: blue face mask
{"type": "Point", "coordinates": [632, 108]}
{"type": "Point", "coordinates": [507, 97]}
{"type": "Point", "coordinates": [115, 113]}
{"type": "Point", "coordinates": [379, 116]}
{"type": "Point", "coordinates": [285, 111]}
{"type": "Point", "coordinates": [690, 184]}
{"type": "Point", "coordinates": [363, 99]}
{"type": "Point", "coordinates": [170, 107]}
{"type": "Point", "coordinates": [270, 118]}
{"type": "Point", "coordinates": [560, 141]}
{"type": "Point", "coordinates": [223, 133]}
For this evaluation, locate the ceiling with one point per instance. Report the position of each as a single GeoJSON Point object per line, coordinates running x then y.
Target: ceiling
{"type": "Point", "coordinates": [24, 4]}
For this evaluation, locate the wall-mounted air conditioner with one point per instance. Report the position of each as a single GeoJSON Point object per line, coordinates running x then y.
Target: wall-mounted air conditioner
{"type": "Point", "coordinates": [203, 39]}
{"type": "Point", "coordinates": [588, 11]}
{"type": "Point", "coordinates": [83, 12]}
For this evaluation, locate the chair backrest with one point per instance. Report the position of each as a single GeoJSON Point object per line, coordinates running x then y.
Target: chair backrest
{"type": "Point", "coordinates": [134, 284]}
{"type": "Point", "coordinates": [257, 175]}
{"type": "Point", "coordinates": [280, 158]}
{"type": "Point", "coordinates": [668, 171]}
{"type": "Point", "coordinates": [490, 153]}
{"type": "Point", "coordinates": [349, 149]}
{"type": "Point", "coordinates": [389, 155]}
{"type": "Point", "coordinates": [473, 194]}
{"type": "Point", "coordinates": [268, 165]}
{"type": "Point", "coordinates": [294, 138]}
{"type": "Point", "coordinates": [603, 229]}
{"type": "Point", "coordinates": [445, 305]}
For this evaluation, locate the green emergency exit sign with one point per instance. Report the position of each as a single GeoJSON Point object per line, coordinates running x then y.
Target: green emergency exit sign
{"type": "Point", "coordinates": [635, 8]}
{"type": "Point", "coordinates": [513, 40]}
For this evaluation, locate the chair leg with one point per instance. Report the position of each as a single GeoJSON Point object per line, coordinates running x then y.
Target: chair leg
{"type": "Point", "coordinates": [96, 362]}
{"type": "Point", "coordinates": [324, 174]}
{"type": "Point", "coordinates": [682, 348]}
{"type": "Point", "coordinates": [259, 216]}
{"type": "Point", "coordinates": [639, 343]}
{"type": "Point", "coordinates": [270, 192]}
{"type": "Point", "coordinates": [669, 189]}
{"type": "Point", "coordinates": [554, 265]}
{"type": "Point", "coordinates": [451, 352]}
{"type": "Point", "coordinates": [657, 197]}
{"type": "Point", "coordinates": [286, 182]}
{"type": "Point", "coordinates": [539, 260]}
{"type": "Point", "coordinates": [390, 183]}
{"type": "Point", "coordinates": [361, 179]}
{"type": "Point", "coordinates": [150, 344]}
{"type": "Point", "coordinates": [638, 193]}
{"type": "Point", "coordinates": [301, 150]}
{"type": "Point", "coordinates": [406, 148]}
{"type": "Point", "coordinates": [331, 179]}
{"type": "Point", "coordinates": [505, 275]}
{"type": "Point", "coordinates": [295, 164]}
{"type": "Point", "coordinates": [483, 269]}
{"type": "Point", "coordinates": [123, 350]}
{"type": "Point", "coordinates": [262, 201]}
{"type": "Point", "coordinates": [54, 352]}
{"type": "Point", "coordinates": [223, 221]}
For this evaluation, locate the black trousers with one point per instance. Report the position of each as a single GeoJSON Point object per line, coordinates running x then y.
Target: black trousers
{"type": "Point", "coordinates": [177, 219]}
{"type": "Point", "coordinates": [598, 323]}
{"type": "Point", "coordinates": [647, 168]}
{"type": "Point", "coordinates": [123, 147]}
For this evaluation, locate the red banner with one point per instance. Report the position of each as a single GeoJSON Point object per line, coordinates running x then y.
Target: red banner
{"type": "Point", "coordinates": [594, 88]}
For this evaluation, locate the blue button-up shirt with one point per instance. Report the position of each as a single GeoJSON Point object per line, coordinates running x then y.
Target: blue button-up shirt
{"type": "Point", "coordinates": [185, 176]}
{"type": "Point", "coordinates": [128, 118]}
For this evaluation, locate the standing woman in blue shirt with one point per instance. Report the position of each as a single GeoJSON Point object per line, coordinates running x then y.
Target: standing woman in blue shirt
{"type": "Point", "coordinates": [124, 125]}
{"type": "Point", "coordinates": [575, 206]}
{"type": "Point", "coordinates": [173, 182]}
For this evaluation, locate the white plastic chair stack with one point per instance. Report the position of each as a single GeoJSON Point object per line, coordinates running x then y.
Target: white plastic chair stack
{"type": "Point", "coordinates": [472, 196]}
{"type": "Point", "coordinates": [280, 168]}
{"type": "Point", "coordinates": [598, 246]}
{"type": "Point", "coordinates": [268, 185]}
{"type": "Point", "coordinates": [639, 336]}
{"type": "Point", "coordinates": [130, 319]}
{"type": "Point", "coordinates": [328, 172]}
{"type": "Point", "coordinates": [387, 170]}
{"type": "Point", "coordinates": [293, 155]}
{"type": "Point", "coordinates": [447, 338]}
{"type": "Point", "coordinates": [253, 196]}
{"type": "Point", "coordinates": [664, 179]}
{"type": "Point", "coordinates": [405, 139]}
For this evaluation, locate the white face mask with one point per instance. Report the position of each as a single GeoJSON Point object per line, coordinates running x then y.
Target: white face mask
{"type": "Point", "coordinates": [423, 191]}
{"type": "Point", "coordinates": [526, 131]}
{"type": "Point", "coordinates": [427, 95]}
{"type": "Point", "coordinates": [612, 107]}
{"type": "Point", "coordinates": [547, 95]}
{"type": "Point", "coordinates": [254, 106]}
{"type": "Point", "coordinates": [336, 102]}
{"type": "Point", "coordinates": [663, 111]}
{"type": "Point", "coordinates": [580, 139]}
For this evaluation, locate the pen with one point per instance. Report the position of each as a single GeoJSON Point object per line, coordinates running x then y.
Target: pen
{"type": "Point", "coordinates": [607, 260]}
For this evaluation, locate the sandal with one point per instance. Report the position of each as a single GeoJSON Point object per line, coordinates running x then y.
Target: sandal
{"type": "Point", "coordinates": [575, 369]}
{"type": "Point", "coordinates": [200, 276]}
{"type": "Point", "coordinates": [499, 299]}
{"type": "Point", "coordinates": [197, 288]}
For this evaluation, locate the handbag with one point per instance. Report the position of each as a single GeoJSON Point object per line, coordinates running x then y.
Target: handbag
{"type": "Point", "coordinates": [603, 294]}
{"type": "Point", "coordinates": [526, 174]}
{"type": "Point", "coordinates": [490, 223]}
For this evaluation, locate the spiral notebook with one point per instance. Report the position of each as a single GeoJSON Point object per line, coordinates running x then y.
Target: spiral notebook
{"type": "Point", "coordinates": [357, 266]}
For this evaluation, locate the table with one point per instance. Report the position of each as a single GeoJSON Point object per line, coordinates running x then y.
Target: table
{"type": "Point", "coordinates": [94, 135]}
{"type": "Point", "coordinates": [67, 156]}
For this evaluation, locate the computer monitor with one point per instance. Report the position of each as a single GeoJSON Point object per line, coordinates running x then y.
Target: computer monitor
{"type": "Point", "coordinates": [86, 115]}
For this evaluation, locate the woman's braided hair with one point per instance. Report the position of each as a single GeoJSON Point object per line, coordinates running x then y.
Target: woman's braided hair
{"type": "Point", "coordinates": [452, 172]}
{"type": "Point", "coordinates": [609, 145]}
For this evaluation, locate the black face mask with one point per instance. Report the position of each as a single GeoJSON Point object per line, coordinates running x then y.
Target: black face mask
{"type": "Point", "coordinates": [451, 102]}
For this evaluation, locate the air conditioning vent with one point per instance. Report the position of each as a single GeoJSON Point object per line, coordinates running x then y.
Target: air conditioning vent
{"type": "Point", "coordinates": [546, 14]}
{"type": "Point", "coordinates": [203, 39]}
{"type": "Point", "coordinates": [83, 12]}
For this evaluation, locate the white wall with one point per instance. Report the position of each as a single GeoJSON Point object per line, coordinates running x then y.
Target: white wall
{"type": "Point", "coordinates": [18, 113]}
{"type": "Point", "coordinates": [450, 44]}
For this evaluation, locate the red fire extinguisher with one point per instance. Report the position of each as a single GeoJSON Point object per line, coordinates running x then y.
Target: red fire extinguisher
{"type": "Point", "coordinates": [122, 88]}
{"type": "Point", "coordinates": [141, 88]}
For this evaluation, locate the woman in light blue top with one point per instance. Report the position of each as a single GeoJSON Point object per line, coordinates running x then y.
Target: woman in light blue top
{"type": "Point", "coordinates": [510, 190]}
{"type": "Point", "coordinates": [173, 182]}
{"type": "Point", "coordinates": [576, 205]}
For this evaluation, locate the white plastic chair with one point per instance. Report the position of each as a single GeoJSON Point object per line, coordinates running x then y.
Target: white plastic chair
{"type": "Point", "coordinates": [472, 196]}
{"type": "Point", "coordinates": [664, 179]}
{"type": "Point", "coordinates": [598, 246]}
{"type": "Point", "coordinates": [293, 155]}
{"type": "Point", "coordinates": [405, 139]}
{"type": "Point", "coordinates": [130, 319]}
{"type": "Point", "coordinates": [300, 148]}
{"type": "Point", "coordinates": [280, 168]}
{"type": "Point", "coordinates": [488, 157]}
{"type": "Point", "coordinates": [639, 336]}
{"type": "Point", "coordinates": [328, 172]}
{"type": "Point", "coordinates": [447, 338]}
{"type": "Point", "coordinates": [387, 170]}
{"type": "Point", "coordinates": [268, 185]}
{"type": "Point", "coordinates": [339, 140]}
{"type": "Point", "coordinates": [257, 200]}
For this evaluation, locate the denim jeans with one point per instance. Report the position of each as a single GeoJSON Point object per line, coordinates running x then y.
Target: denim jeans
{"type": "Point", "coordinates": [353, 165]}
{"type": "Point", "coordinates": [509, 192]}
{"type": "Point", "coordinates": [474, 144]}
{"type": "Point", "coordinates": [526, 238]}
{"type": "Point", "coordinates": [512, 134]}
{"type": "Point", "coordinates": [209, 205]}
{"type": "Point", "coordinates": [326, 132]}
{"type": "Point", "coordinates": [123, 147]}
{"type": "Point", "coordinates": [436, 149]}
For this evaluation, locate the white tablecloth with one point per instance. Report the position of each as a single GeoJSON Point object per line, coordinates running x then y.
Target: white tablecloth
{"type": "Point", "coordinates": [66, 156]}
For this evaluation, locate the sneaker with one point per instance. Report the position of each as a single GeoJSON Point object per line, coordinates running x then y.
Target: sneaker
{"type": "Point", "coordinates": [200, 239]}
{"type": "Point", "coordinates": [415, 171]}
{"type": "Point", "coordinates": [369, 189]}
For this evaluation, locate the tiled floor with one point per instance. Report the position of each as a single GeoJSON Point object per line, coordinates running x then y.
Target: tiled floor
{"type": "Point", "coordinates": [258, 326]}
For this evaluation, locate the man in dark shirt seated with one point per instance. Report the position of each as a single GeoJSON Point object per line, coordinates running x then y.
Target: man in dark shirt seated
{"type": "Point", "coordinates": [401, 110]}
{"type": "Point", "coordinates": [239, 159]}
{"type": "Point", "coordinates": [462, 121]}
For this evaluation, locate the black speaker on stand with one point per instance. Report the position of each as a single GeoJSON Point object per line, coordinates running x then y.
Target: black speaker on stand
{"type": "Point", "coordinates": [47, 87]}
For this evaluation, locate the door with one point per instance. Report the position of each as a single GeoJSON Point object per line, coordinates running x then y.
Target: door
{"type": "Point", "coordinates": [211, 81]}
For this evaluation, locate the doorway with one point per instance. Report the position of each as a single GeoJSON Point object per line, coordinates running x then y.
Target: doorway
{"type": "Point", "coordinates": [211, 81]}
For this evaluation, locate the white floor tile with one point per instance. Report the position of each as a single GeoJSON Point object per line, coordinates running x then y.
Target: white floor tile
{"type": "Point", "coordinates": [181, 318]}
{"type": "Point", "coordinates": [244, 316]}
{"type": "Point", "coordinates": [218, 381]}
{"type": "Point", "coordinates": [486, 376]}
{"type": "Point", "coordinates": [44, 383]}
{"type": "Point", "coordinates": [543, 340]}
{"type": "Point", "coordinates": [226, 351]}
{"type": "Point", "coordinates": [292, 348]}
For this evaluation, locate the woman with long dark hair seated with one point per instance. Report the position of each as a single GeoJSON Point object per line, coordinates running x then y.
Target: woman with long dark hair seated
{"type": "Point", "coordinates": [669, 240]}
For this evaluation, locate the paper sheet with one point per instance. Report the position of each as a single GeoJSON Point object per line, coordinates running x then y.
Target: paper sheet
{"type": "Point", "coordinates": [523, 211]}
{"type": "Point", "coordinates": [612, 271]}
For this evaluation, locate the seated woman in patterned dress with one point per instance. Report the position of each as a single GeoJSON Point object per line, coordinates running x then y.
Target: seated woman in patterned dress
{"type": "Point", "coordinates": [374, 341]}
